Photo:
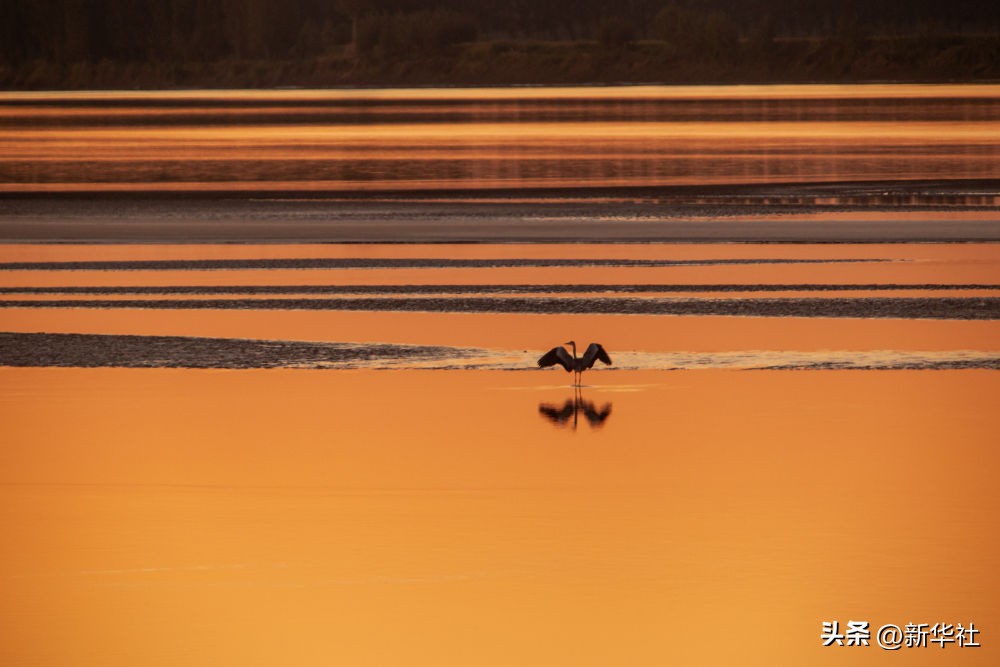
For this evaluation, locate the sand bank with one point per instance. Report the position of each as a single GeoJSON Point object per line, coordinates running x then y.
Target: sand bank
{"type": "Point", "coordinates": [957, 308]}
{"type": "Point", "coordinates": [942, 211]}
{"type": "Point", "coordinates": [130, 351]}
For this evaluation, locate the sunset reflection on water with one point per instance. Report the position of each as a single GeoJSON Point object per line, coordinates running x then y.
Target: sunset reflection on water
{"type": "Point", "coordinates": [677, 509]}
{"type": "Point", "coordinates": [299, 516]}
{"type": "Point", "coordinates": [487, 139]}
{"type": "Point", "coordinates": [292, 516]}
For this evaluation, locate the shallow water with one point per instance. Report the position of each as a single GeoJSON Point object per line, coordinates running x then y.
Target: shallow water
{"type": "Point", "coordinates": [517, 335]}
{"type": "Point", "coordinates": [233, 517]}
{"type": "Point", "coordinates": [376, 516]}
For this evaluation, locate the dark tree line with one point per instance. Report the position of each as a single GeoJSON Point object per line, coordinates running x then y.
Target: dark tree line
{"type": "Point", "coordinates": [167, 30]}
{"type": "Point", "coordinates": [172, 31]}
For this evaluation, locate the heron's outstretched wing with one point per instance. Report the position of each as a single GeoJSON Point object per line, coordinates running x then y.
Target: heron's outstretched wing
{"type": "Point", "coordinates": [557, 355]}
{"type": "Point", "coordinates": [594, 352]}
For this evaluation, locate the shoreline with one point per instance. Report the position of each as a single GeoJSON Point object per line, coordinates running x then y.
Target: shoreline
{"type": "Point", "coordinates": [944, 211]}
{"type": "Point", "coordinates": [909, 188]}
{"type": "Point", "coordinates": [909, 308]}
{"type": "Point", "coordinates": [837, 59]}
{"type": "Point", "coordinates": [90, 351]}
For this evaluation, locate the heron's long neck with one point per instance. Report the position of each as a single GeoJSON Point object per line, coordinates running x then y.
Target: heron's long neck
{"type": "Point", "coordinates": [574, 349]}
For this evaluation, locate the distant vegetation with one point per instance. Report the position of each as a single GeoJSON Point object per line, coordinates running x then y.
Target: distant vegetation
{"type": "Point", "coordinates": [264, 43]}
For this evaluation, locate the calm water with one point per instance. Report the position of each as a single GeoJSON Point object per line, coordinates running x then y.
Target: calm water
{"type": "Point", "coordinates": [171, 517]}
{"type": "Point", "coordinates": [166, 516]}
{"type": "Point", "coordinates": [496, 138]}
{"type": "Point", "coordinates": [452, 513]}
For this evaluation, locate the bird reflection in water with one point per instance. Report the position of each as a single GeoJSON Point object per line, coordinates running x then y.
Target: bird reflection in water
{"type": "Point", "coordinates": [568, 414]}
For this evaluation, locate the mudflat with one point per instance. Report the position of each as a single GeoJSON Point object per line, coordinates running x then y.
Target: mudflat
{"type": "Point", "coordinates": [897, 212]}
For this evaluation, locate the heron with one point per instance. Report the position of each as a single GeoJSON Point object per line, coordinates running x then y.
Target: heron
{"type": "Point", "coordinates": [559, 355]}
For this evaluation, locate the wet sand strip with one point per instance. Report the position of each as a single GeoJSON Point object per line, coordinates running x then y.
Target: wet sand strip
{"type": "Point", "coordinates": [389, 263]}
{"type": "Point", "coordinates": [90, 351]}
{"type": "Point", "coordinates": [972, 308]}
{"type": "Point", "coordinates": [974, 192]}
{"type": "Point", "coordinates": [798, 360]}
{"type": "Point", "coordinates": [709, 213]}
{"type": "Point", "coordinates": [944, 365]}
{"type": "Point", "coordinates": [647, 288]}
{"type": "Point", "coordinates": [129, 351]}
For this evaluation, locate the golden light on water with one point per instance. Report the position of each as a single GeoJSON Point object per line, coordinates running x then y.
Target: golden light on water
{"type": "Point", "coordinates": [494, 138]}
{"type": "Point", "coordinates": [292, 516]}
{"type": "Point", "coordinates": [435, 511]}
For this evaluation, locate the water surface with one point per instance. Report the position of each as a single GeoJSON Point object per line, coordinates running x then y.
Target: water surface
{"type": "Point", "coordinates": [179, 517]}
{"type": "Point", "coordinates": [266, 452]}
{"type": "Point", "coordinates": [391, 140]}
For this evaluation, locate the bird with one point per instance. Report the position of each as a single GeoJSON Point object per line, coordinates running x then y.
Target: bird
{"type": "Point", "coordinates": [559, 355]}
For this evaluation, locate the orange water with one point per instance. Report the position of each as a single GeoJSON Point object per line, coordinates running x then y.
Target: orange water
{"type": "Point", "coordinates": [904, 264]}
{"type": "Point", "coordinates": [495, 138]}
{"type": "Point", "coordinates": [180, 517]}
{"type": "Point", "coordinates": [364, 517]}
